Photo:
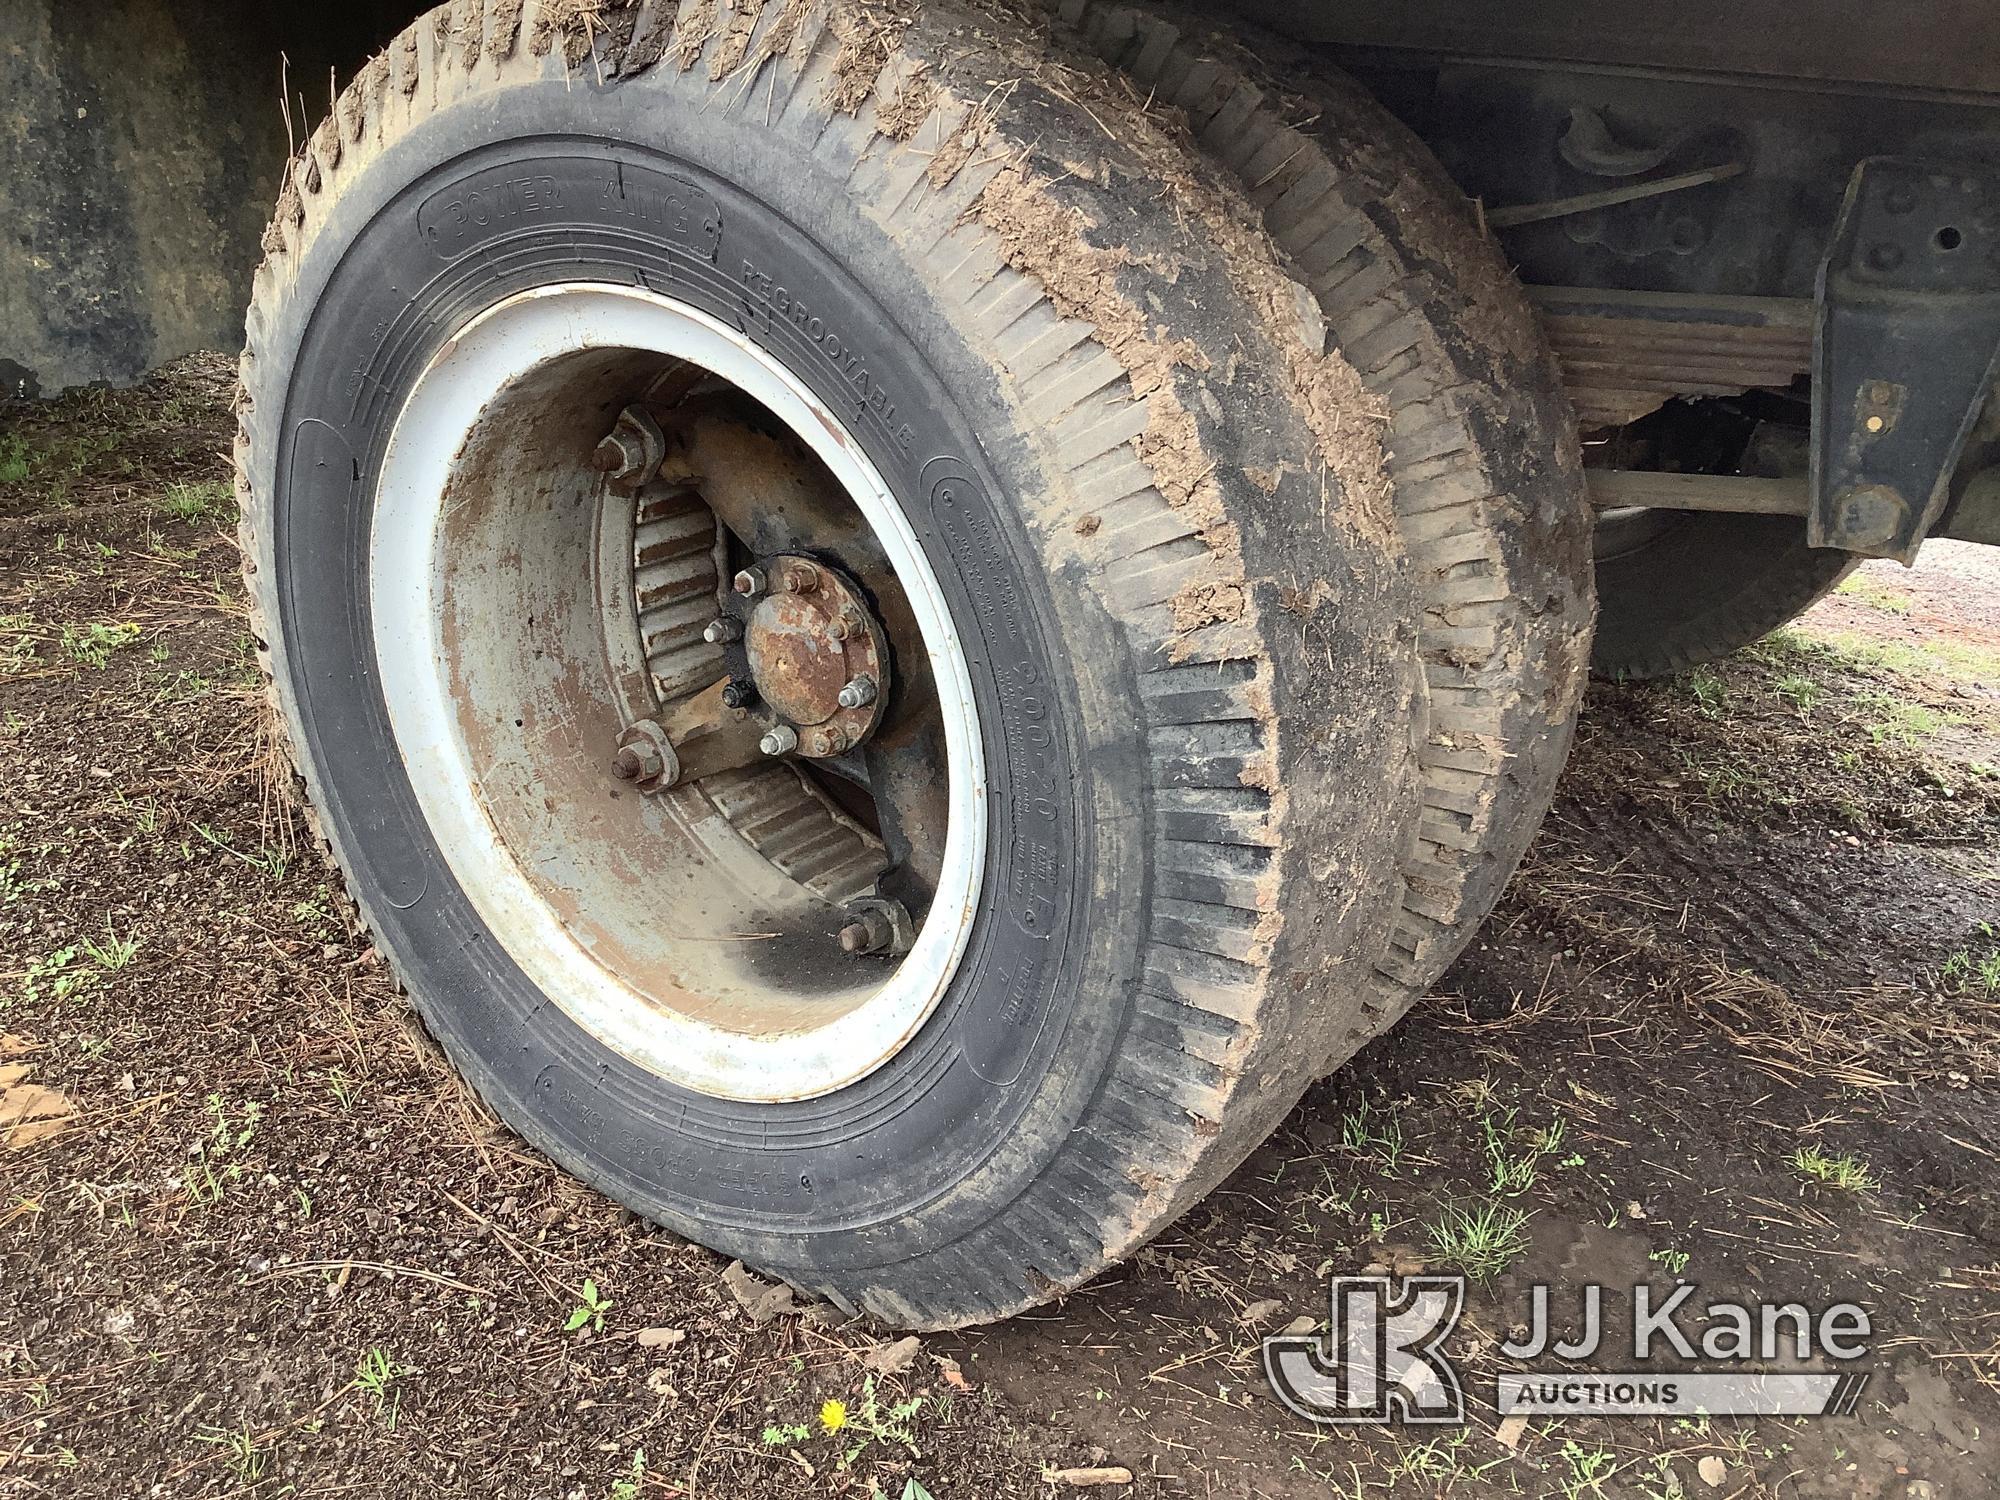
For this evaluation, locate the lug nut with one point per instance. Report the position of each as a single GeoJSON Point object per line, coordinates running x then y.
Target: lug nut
{"type": "Point", "coordinates": [721, 632]}
{"type": "Point", "coordinates": [877, 926]}
{"type": "Point", "coordinates": [859, 692]}
{"type": "Point", "coordinates": [780, 741]}
{"type": "Point", "coordinates": [738, 692]}
{"type": "Point", "coordinates": [636, 762]}
{"type": "Point", "coordinates": [751, 582]}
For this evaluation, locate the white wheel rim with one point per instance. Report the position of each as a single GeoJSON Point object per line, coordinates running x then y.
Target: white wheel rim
{"type": "Point", "coordinates": [489, 356]}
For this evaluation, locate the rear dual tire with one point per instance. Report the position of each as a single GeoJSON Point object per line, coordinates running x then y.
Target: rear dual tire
{"type": "Point", "coordinates": [1194, 691]}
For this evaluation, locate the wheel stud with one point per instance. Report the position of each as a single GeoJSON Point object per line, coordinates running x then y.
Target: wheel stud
{"type": "Point", "coordinates": [751, 582]}
{"type": "Point", "coordinates": [877, 926]}
{"type": "Point", "coordinates": [859, 692]}
{"type": "Point", "coordinates": [721, 632]}
{"type": "Point", "coordinates": [782, 740]}
{"type": "Point", "coordinates": [635, 762]}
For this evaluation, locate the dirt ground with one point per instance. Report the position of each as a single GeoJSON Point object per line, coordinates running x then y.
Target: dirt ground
{"type": "Point", "coordinates": [1736, 1022]}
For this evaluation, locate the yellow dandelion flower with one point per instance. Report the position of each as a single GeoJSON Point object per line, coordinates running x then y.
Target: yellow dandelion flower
{"type": "Point", "coordinates": [833, 1415]}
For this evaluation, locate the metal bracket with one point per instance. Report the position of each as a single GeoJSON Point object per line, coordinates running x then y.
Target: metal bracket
{"type": "Point", "coordinates": [1905, 349]}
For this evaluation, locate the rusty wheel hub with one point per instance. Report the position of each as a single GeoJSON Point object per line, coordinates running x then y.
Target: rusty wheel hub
{"type": "Point", "coordinates": [817, 655]}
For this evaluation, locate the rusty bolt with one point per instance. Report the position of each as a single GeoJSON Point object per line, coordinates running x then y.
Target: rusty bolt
{"type": "Point", "coordinates": [751, 582]}
{"type": "Point", "coordinates": [782, 740]}
{"type": "Point", "coordinates": [738, 692]}
{"type": "Point", "coordinates": [859, 692]}
{"type": "Point", "coordinates": [802, 579]}
{"type": "Point", "coordinates": [869, 932]}
{"type": "Point", "coordinates": [721, 632]}
{"type": "Point", "coordinates": [837, 630]}
{"type": "Point", "coordinates": [638, 761]}
{"type": "Point", "coordinates": [826, 741]}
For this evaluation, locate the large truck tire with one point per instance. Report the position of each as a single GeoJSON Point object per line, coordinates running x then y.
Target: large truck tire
{"type": "Point", "coordinates": [617, 386]}
{"type": "Point", "coordinates": [1487, 481]}
{"type": "Point", "coordinates": [1683, 588]}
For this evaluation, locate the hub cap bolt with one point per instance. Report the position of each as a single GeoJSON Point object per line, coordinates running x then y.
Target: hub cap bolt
{"type": "Point", "coordinates": [721, 632]}
{"type": "Point", "coordinates": [751, 582]}
{"type": "Point", "coordinates": [859, 692]}
{"type": "Point", "coordinates": [828, 742]}
{"type": "Point", "coordinates": [738, 693]}
{"type": "Point", "coordinates": [780, 741]}
{"type": "Point", "coordinates": [802, 580]}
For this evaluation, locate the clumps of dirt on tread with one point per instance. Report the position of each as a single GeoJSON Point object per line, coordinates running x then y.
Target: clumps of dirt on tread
{"type": "Point", "coordinates": [692, 28]}
{"type": "Point", "coordinates": [1348, 420]}
{"type": "Point", "coordinates": [503, 28]}
{"type": "Point", "coordinates": [289, 213]}
{"type": "Point", "coordinates": [735, 43]}
{"type": "Point", "coordinates": [1207, 603]}
{"type": "Point", "coordinates": [369, 85]}
{"type": "Point", "coordinates": [866, 42]}
{"type": "Point", "coordinates": [909, 107]}
{"type": "Point", "coordinates": [785, 34]}
{"type": "Point", "coordinates": [403, 62]}
{"type": "Point", "coordinates": [584, 26]}
{"type": "Point", "coordinates": [457, 27]}
{"type": "Point", "coordinates": [1046, 239]}
{"type": "Point", "coordinates": [956, 149]}
{"type": "Point", "coordinates": [325, 145]}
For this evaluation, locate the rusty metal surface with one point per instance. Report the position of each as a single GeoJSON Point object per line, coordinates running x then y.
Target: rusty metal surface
{"type": "Point", "coordinates": [810, 642]}
{"type": "Point", "coordinates": [1619, 489]}
{"type": "Point", "coordinates": [1625, 354]}
{"type": "Point", "coordinates": [1922, 44]}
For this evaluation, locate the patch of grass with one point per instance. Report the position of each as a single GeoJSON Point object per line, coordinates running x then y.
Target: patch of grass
{"type": "Point", "coordinates": [1708, 689]}
{"type": "Point", "coordinates": [1480, 1239]}
{"type": "Point", "coordinates": [1588, 1469]}
{"type": "Point", "coordinates": [1848, 1173]}
{"type": "Point", "coordinates": [269, 861]}
{"type": "Point", "coordinates": [240, 1453]}
{"type": "Point", "coordinates": [53, 465]}
{"type": "Point", "coordinates": [1938, 656]}
{"type": "Point", "coordinates": [1513, 1157]}
{"type": "Point", "coordinates": [1865, 590]}
{"type": "Point", "coordinates": [14, 464]}
{"type": "Point", "coordinates": [205, 501]}
{"type": "Point", "coordinates": [1897, 721]}
{"type": "Point", "coordinates": [1799, 689]}
{"type": "Point", "coordinates": [1368, 1131]}
{"type": "Point", "coordinates": [375, 1376]}
{"type": "Point", "coordinates": [1673, 1262]}
{"type": "Point", "coordinates": [92, 644]}
{"type": "Point", "coordinates": [1963, 972]}
{"type": "Point", "coordinates": [113, 954]}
